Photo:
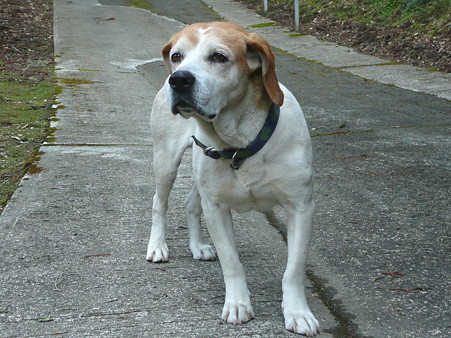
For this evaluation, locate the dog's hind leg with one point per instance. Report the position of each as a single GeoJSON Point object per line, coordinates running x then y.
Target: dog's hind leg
{"type": "Point", "coordinates": [193, 211]}
{"type": "Point", "coordinates": [298, 317]}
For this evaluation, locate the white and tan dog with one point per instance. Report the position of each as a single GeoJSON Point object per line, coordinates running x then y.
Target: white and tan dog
{"type": "Point", "coordinates": [222, 89]}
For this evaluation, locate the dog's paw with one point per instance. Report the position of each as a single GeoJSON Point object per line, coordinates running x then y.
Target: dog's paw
{"type": "Point", "coordinates": [157, 253]}
{"type": "Point", "coordinates": [301, 322]}
{"type": "Point", "coordinates": [237, 313]}
{"type": "Point", "coordinates": [203, 252]}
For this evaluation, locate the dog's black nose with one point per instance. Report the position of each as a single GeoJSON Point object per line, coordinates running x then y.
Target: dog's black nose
{"type": "Point", "coordinates": [181, 80]}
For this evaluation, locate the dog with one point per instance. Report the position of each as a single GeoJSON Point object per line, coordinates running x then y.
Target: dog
{"type": "Point", "coordinates": [251, 150]}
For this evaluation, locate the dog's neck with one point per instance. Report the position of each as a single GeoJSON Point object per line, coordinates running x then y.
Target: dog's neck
{"type": "Point", "coordinates": [236, 127]}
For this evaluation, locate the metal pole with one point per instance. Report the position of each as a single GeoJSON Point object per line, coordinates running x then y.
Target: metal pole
{"type": "Point", "coordinates": [296, 14]}
{"type": "Point", "coordinates": [265, 5]}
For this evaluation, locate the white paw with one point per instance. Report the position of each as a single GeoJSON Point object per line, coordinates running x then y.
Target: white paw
{"type": "Point", "coordinates": [203, 252]}
{"type": "Point", "coordinates": [237, 313]}
{"type": "Point", "coordinates": [301, 322]}
{"type": "Point", "coordinates": [157, 253]}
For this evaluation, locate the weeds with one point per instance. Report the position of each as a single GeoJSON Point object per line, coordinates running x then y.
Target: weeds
{"type": "Point", "coordinates": [25, 110]}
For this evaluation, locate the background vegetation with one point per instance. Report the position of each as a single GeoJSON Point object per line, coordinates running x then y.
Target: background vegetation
{"type": "Point", "coordinates": [419, 16]}
{"type": "Point", "coordinates": [417, 32]}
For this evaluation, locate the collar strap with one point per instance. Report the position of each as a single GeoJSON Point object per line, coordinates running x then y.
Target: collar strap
{"type": "Point", "coordinates": [238, 155]}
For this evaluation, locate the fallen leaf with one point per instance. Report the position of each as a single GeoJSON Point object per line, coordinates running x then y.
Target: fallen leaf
{"type": "Point", "coordinates": [393, 274]}
{"type": "Point", "coordinates": [419, 288]}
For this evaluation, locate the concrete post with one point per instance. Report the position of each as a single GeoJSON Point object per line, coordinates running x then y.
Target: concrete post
{"type": "Point", "coordinates": [296, 14]}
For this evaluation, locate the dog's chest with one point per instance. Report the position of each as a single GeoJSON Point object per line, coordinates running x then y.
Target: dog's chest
{"type": "Point", "coordinates": [249, 191]}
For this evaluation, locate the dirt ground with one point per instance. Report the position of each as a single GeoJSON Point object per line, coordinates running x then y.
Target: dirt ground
{"type": "Point", "coordinates": [26, 37]}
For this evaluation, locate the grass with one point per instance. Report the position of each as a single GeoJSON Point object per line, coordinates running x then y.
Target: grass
{"type": "Point", "coordinates": [25, 111]}
{"type": "Point", "coordinates": [139, 4]}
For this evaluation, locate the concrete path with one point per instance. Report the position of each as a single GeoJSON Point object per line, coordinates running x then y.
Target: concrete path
{"type": "Point", "coordinates": [74, 235]}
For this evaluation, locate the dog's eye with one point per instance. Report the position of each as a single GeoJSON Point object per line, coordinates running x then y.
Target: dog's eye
{"type": "Point", "coordinates": [218, 57]}
{"type": "Point", "coordinates": [176, 57]}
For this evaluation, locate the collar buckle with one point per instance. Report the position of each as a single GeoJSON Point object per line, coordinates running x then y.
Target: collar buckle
{"type": "Point", "coordinates": [208, 149]}
{"type": "Point", "coordinates": [235, 164]}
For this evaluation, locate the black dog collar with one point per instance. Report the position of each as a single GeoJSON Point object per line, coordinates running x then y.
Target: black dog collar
{"type": "Point", "coordinates": [239, 155]}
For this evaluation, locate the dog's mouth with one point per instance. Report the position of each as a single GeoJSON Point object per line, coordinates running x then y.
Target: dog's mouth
{"type": "Point", "coordinates": [182, 106]}
{"type": "Point", "coordinates": [186, 109]}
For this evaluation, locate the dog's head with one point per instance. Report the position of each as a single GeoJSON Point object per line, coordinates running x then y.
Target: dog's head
{"type": "Point", "coordinates": [216, 65]}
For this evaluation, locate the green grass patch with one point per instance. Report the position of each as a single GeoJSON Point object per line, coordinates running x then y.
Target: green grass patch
{"type": "Point", "coordinates": [74, 82]}
{"type": "Point", "coordinates": [263, 25]}
{"type": "Point", "coordinates": [139, 4]}
{"type": "Point", "coordinates": [25, 110]}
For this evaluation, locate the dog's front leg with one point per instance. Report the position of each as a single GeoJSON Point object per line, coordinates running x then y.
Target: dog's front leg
{"type": "Point", "coordinates": [165, 170]}
{"type": "Point", "coordinates": [237, 306]}
{"type": "Point", "coordinates": [297, 314]}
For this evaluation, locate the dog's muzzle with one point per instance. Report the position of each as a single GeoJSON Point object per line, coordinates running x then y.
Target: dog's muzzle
{"type": "Point", "coordinates": [182, 83]}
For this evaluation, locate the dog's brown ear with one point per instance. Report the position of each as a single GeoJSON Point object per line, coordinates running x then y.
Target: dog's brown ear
{"type": "Point", "coordinates": [258, 44]}
{"type": "Point", "coordinates": [165, 51]}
